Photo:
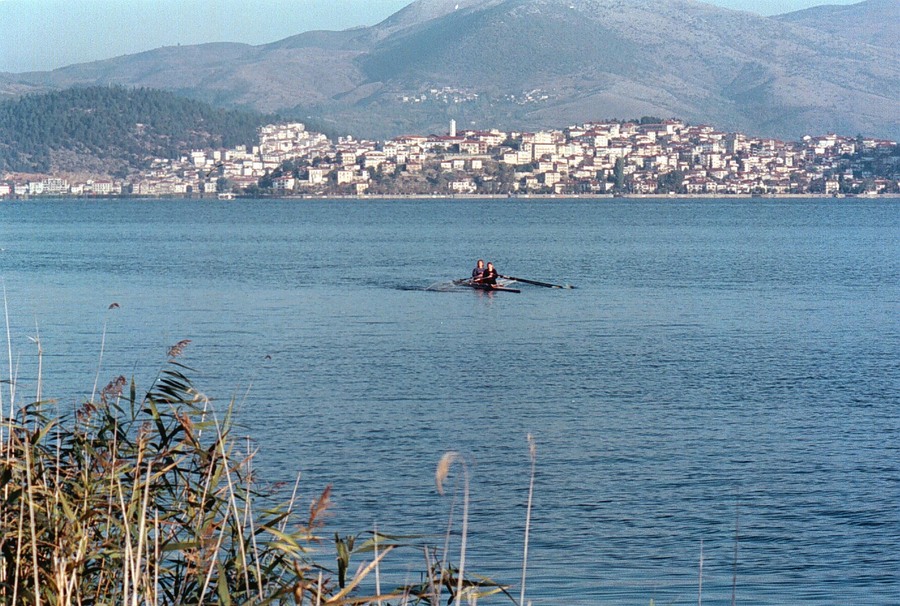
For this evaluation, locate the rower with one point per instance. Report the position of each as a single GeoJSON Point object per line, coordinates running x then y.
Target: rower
{"type": "Point", "coordinates": [489, 276]}
{"type": "Point", "coordinates": [479, 270]}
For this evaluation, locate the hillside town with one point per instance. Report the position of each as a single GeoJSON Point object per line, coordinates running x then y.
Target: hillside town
{"type": "Point", "coordinates": [648, 157]}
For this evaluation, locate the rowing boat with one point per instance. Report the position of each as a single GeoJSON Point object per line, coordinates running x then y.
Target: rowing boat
{"type": "Point", "coordinates": [492, 287]}
{"type": "Point", "coordinates": [487, 287]}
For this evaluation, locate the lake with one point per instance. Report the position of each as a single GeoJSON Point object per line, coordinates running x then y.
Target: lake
{"type": "Point", "coordinates": [725, 375]}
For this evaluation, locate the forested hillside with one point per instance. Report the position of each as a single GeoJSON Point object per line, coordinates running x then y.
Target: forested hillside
{"type": "Point", "coordinates": [113, 128]}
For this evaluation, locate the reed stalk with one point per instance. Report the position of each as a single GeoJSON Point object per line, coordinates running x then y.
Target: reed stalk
{"type": "Point", "coordinates": [142, 500]}
{"type": "Point", "coordinates": [532, 454]}
{"type": "Point", "coordinates": [29, 469]}
{"type": "Point", "coordinates": [377, 568]}
{"type": "Point", "coordinates": [99, 363]}
{"type": "Point", "coordinates": [443, 470]}
{"type": "Point", "coordinates": [9, 357]}
{"type": "Point", "coordinates": [700, 578]}
{"type": "Point", "coordinates": [737, 525]}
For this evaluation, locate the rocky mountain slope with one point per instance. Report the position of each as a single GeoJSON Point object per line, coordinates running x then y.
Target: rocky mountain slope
{"type": "Point", "coordinates": [875, 22]}
{"type": "Point", "coordinates": [542, 63]}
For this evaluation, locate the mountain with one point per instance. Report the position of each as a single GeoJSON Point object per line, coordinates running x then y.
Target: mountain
{"type": "Point", "coordinates": [874, 22]}
{"type": "Point", "coordinates": [112, 130]}
{"type": "Point", "coordinates": [530, 64]}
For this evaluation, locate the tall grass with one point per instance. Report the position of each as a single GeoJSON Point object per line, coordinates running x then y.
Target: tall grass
{"type": "Point", "coordinates": [148, 499]}
{"type": "Point", "coordinates": [123, 499]}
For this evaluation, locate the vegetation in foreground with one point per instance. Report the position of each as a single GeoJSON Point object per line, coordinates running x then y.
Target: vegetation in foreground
{"type": "Point", "coordinates": [149, 500]}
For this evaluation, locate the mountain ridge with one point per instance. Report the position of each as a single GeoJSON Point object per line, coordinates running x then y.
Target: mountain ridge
{"type": "Point", "coordinates": [540, 63]}
{"type": "Point", "coordinates": [874, 22]}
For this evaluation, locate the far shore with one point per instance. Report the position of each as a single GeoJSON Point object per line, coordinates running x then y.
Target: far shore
{"type": "Point", "coordinates": [583, 196]}
{"type": "Point", "coordinates": [362, 197]}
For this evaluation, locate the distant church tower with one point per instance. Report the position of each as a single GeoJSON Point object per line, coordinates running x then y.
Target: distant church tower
{"type": "Point", "coordinates": [452, 128]}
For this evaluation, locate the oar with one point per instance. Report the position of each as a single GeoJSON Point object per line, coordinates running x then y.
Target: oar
{"type": "Point", "coordinates": [536, 283]}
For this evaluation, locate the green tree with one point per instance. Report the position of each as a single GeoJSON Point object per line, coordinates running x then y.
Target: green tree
{"type": "Point", "coordinates": [672, 182]}
{"type": "Point", "coordinates": [619, 174]}
{"type": "Point", "coordinates": [115, 125]}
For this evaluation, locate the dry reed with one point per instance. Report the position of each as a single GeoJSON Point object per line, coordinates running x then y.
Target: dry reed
{"type": "Point", "coordinates": [145, 500]}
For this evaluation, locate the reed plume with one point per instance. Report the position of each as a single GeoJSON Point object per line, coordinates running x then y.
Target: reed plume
{"type": "Point", "coordinates": [148, 500]}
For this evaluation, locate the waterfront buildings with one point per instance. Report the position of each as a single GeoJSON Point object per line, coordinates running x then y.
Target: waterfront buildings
{"type": "Point", "coordinates": [669, 157]}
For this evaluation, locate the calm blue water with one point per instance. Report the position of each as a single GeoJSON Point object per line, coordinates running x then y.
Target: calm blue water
{"type": "Point", "coordinates": [724, 368]}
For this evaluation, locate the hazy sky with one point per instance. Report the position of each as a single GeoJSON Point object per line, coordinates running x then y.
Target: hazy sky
{"type": "Point", "coordinates": [46, 34]}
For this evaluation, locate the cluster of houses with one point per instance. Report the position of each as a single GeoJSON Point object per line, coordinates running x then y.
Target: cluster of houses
{"type": "Point", "coordinates": [449, 95]}
{"type": "Point", "coordinates": [591, 159]}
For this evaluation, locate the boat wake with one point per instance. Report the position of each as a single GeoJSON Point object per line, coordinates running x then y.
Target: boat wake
{"type": "Point", "coordinates": [452, 286]}
{"type": "Point", "coordinates": [447, 286]}
{"type": "Point", "coordinates": [436, 287]}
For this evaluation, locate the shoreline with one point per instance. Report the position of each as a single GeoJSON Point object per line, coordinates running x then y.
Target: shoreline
{"type": "Point", "coordinates": [363, 197]}
{"type": "Point", "coordinates": [588, 196]}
